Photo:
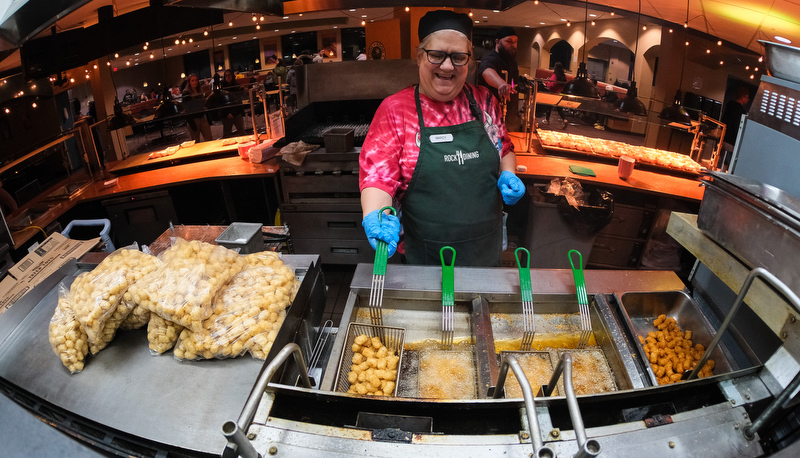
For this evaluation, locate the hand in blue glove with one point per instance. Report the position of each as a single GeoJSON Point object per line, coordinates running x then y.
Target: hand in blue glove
{"type": "Point", "coordinates": [511, 187]}
{"type": "Point", "coordinates": [387, 229]}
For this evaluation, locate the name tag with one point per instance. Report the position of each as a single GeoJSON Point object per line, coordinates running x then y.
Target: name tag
{"type": "Point", "coordinates": [441, 138]}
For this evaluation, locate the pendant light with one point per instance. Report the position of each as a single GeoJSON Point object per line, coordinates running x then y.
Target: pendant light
{"type": "Point", "coordinates": [675, 112]}
{"type": "Point", "coordinates": [631, 103]}
{"type": "Point", "coordinates": [581, 85]}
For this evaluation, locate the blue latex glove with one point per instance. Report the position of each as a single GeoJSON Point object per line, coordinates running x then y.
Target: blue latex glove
{"type": "Point", "coordinates": [387, 229]}
{"type": "Point", "coordinates": [511, 187]}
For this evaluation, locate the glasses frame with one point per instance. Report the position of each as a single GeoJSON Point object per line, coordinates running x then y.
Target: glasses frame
{"type": "Point", "coordinates": [447, 55]}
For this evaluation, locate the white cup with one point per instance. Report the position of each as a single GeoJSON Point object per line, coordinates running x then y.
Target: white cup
{"type": "Point", "coordinates": [625, 168]}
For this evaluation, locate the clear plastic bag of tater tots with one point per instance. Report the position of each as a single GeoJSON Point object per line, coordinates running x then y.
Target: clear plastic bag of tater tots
{"type": "Point", "coordinates": [182, 289]}
{"type": "Point", "coordinates": [251, 306]}
{"type": "Point", "coordinates": [66, 335]}
{"type": "Point", "coordinates": [161, 334]}
{"type": "Point", "coordinates": [95, 295]}
{"type": "Point", "coordinates": [139, 316]}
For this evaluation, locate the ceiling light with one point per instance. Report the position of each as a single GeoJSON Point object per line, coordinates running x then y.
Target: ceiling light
{"type": "Point", "coordinates": [254, 18]}
{"type": "Point", "coordinates": [287, 17]}
{"type": "Point", "coordinates": [470, 12]}
{"type": "Point", "coordinates": [535, 2]}
{"type": "Point", "coordinates": [644, 27]}
{"type": "Point", "coordinates": [152, 55]}
{"type": "Point", "coordinates": [183, 42]}
{"type": "Point", "coordinates": [755, 69]}
{"type": "Point", "coordinates": [87, 76]}
{"type": "Point", "coordinates": [782, 40]}
{"type": "Point", "coordinates": [363, 22]}
{"type": "Point", "coordinates": [205, 33]}
{"type": "Point", "coordinates": [177, 42]}
{"type": "Point", "coordinates": [752, 76]}
{"type": "Point", "coordinates": [719, 43]}
{"type": "Point", "coordinates": [72, 80]}
{"type": "Point", "coordinates": [747, 67]}
{"type": "Point", "coordinates": [761, 58]}
{"type": "Point", "coordinates": [144, 47]}
{"type": "Point", "coordinates": [95, 66]}
{"type": "Point", "coordinates": [569, 24]}
{"type": "Point", "coordinates": [258, 26]}
{"type": "Point", "coordinates": [116, 55]}
{"type": "Point", "coordinates": [670, 30]}
{"type": "Point", "coordinates": [261, 18]}
{"type": "Point", "coordinates": [108, 64]}
{"type": "Point", "coordinates": [708, 51]}
{"type": "Point", "coordinates": [191, 40]}
{"type": "Point", "coordinates": [721, 62]}
{"type": "Point", "coordinates": [33, 105]}
{"type": "Point", "coordinates": [230, 24]}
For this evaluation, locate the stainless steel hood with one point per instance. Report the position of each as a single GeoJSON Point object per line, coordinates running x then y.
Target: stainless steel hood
{"type": "Point", "coordinates": [31, 18]}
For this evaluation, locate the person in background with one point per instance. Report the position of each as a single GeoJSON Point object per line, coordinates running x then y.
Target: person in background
{"type": "Point", "coordinates": [732, 116]}
{"type": "Point", "coordinates": [198, 123]}
{"type": "Point", "coordinates": [556, 84]}
{"type": "Point", "coordinates": [499, 72]}
{"type": "Point", "coordinates": [234, 116]}
{"type": "Point", "coordinates": [291, 80]}
{"type": "Point", "coordinates": [440, 150]}
{"type": "Point", "coordinates": [318, 57]}
{"type": "Point", "coordinates": [361, 55]}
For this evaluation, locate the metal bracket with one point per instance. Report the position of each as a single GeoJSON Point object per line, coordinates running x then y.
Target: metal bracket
{"type": "Point", "coordinates": [392, 435]}
{"type": "Point", "coordinates": [658, 420]}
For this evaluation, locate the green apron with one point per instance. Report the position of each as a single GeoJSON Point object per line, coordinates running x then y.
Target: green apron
{"type": "Point", "coordinates": [452, 198]}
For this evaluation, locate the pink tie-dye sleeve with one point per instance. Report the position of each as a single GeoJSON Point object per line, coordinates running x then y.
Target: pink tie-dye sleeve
{"type": "Point", "coordinates": [379, 162]}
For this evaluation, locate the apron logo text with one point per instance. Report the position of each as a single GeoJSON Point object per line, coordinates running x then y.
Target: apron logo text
{"type": "Point", "coordinates": [461, 157]}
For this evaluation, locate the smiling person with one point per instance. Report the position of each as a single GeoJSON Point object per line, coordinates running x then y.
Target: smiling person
{"type": "Point", "coordinates": [441, 153]}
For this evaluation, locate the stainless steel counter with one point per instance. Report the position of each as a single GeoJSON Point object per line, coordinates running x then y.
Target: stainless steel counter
{"type": "Point", "coordinates": [124, 387]}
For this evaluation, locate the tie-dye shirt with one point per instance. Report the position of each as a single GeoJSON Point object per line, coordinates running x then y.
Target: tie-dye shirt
{"type": "Point", "coordinates": [391, 149]}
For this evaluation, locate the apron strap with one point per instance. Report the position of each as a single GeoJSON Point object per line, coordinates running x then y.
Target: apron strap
{"type": "Point", "coordinates": [473, 105]}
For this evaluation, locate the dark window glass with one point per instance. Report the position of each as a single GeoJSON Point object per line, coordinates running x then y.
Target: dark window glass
{"type": "Point", "coordinates": [561, 52]}
{"type": "Point", "coordinates": [197, 63]}
{"type": "Point", "coordinates": [299, 46]}
{"type": "Point", "coordinates": [354, 41]}
{"type": "Point", "coordinates": [243, 56]}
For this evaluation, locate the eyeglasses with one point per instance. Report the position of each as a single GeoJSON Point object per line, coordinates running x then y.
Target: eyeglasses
{"type": "Point", "coordinates": [438, 57]}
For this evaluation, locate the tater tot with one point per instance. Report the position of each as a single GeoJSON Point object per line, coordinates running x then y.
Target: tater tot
{"type": "Point", "coordinates": [358, 358]}
{"type": "Point", "coordinates": [362, 339]}
{"type": "Point", "coordinates": [368, 352]}
{"type": "Point", "coordinates": [356, 348]}
{"type": "Point", "coordinates": [376, 343]}
{"type": "Point", "coordinates": [352, 377]}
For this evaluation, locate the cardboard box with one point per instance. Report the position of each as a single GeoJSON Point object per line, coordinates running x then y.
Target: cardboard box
{"type": "Point", "coordinates": [45, 259]}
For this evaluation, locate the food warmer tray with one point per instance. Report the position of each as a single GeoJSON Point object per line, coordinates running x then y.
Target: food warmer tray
{"type": "Point", "coordinates": [585, 155]}
{"type": "Point", "coordinates": [124, 387]}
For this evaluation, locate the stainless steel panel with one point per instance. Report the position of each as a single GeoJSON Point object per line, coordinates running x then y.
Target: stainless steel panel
{"type": "Point", "coordinates": [325, 225]}
{"type": "Point", "coordinates": [760, 238]}
{"type": "Point", "coordinates": [629, 221]}
{"type": "Point", "coordinates": [124, 387]}
{"type": "Point", "coordinates": [336, 251]}
{"type": "Point", "coordinates": [640, 309]}
{"type": "Point", "coordinates": [616, 251]}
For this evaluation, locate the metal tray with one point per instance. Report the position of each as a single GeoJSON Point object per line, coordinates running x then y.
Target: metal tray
{"type": "Point", "coordinates": [391, 337]}
{"type": "Point", "coordinates": [639, 310]}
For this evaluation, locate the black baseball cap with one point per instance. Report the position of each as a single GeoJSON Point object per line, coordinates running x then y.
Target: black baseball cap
{"type": "Point", "coordinates": [444, 20]}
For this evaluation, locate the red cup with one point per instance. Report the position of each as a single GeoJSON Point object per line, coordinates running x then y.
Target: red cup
{"type": "Point", "coordinates": [625, 168]}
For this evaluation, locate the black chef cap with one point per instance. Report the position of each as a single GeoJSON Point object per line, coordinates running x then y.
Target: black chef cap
{"type": "Point", "coordinates": [444, 20]}
{"type": "Point", "coordinates": [505, 32]}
